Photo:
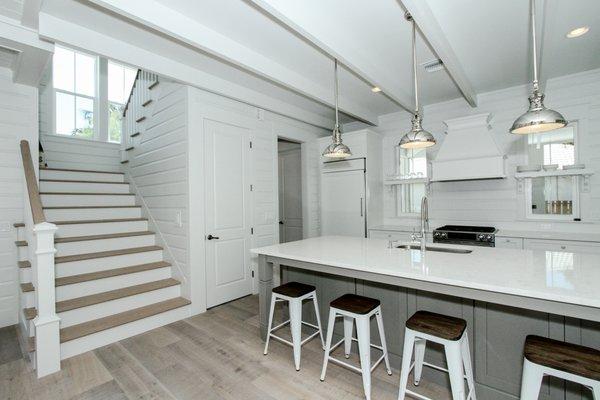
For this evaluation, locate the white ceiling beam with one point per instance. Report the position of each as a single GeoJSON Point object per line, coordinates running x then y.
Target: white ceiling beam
{"type": "Point", "coordinates": [169, 22]}
{"type": "Point", "coordinates": [31, 10]}
{"type": "Point", "coordinates": [77, 36]}
{"type": "Point", "coordinates": [326, 37]}
{"type": "Point", "coordinates": [432, 31]}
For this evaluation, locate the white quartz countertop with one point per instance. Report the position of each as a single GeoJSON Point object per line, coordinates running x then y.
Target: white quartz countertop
{"type": "Point", "coordinates": [556, 276]}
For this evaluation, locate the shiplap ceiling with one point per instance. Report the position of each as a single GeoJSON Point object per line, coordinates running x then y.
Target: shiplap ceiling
{"type": "Point", "coordinates": [285, 48]}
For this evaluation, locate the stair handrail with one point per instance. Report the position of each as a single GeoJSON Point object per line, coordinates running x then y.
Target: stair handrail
{"type": "Point", "coordinates": [41, 250]}
{"type": "Point", "coordinates": [35, 201]}
{"type": "Point", "coordinates": [137, 75]}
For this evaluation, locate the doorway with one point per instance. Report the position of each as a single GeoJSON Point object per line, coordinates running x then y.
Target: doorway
{"type": "Point", "coordinates": [290, 190]}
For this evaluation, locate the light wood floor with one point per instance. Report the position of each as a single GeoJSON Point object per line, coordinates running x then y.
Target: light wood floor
{"type": "Point", "coordinates": [216, 355]}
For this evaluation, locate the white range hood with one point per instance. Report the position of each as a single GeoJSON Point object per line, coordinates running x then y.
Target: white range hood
{"type": "Point", "coordinates": [469, 151]}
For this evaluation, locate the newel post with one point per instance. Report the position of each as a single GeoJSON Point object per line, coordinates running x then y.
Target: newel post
{"type": "Point", "coordinates": [47, 323]}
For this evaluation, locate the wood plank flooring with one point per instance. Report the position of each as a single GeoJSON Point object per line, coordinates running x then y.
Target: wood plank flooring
{"type": "Point", "coordinates": [216, 355]}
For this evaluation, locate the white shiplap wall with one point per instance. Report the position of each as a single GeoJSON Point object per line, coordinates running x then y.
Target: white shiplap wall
{"type": "Point", "coordinates": [497, 202]}
{"type": "Point", "coordinates": [76, 153]}
{"type": "Point", "coordinates": [18, 121]}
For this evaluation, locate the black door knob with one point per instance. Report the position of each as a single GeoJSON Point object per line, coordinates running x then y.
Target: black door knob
{"type": "Point", "coordinates": [211, 237]}
{"type": "Point", "coordinates": [280, 222]}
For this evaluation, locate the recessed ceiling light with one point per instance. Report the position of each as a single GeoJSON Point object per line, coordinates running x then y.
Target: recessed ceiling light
{"type": "Point", "coordinates": [578, 32]}
{"type": "Point", "coordinates": [375, 89]}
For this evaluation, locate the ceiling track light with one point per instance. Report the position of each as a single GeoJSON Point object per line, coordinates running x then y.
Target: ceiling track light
{"type": "Point", "coordinates": [538, 118]}
{"type": "Point", "coordinates": [336, 149]}
{"type": "Point", "coordinates": [417, 138]}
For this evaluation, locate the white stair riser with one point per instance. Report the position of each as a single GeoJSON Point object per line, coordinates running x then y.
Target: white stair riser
{"type": "Point", "coordinates": [115, 282]}
{"type": "Point", "coordinates": [27, 328]}
{"type": "Point", "coordinates": [81, 176]}
{"type": "Point", "coordinates": [27, 299]}
{"type": "Point", "coordinates": [78, 200]}
{"type": "Point", "coordinates": [103, 338]}
{"type": "Point", "coordinates": [104, 263]}
{"type": "Point", "coordinates": [92, 246]}
{"type": "Point", "coordinates": [22, 253]}
{"type": "Point", "coordinates": [89, 313]}
{"type": "Point", "coordinates": [78, 214]}
{"type": "Point", "coordinates": [81, 187]}
{"type": "Point", "coordinates": [104, 228]}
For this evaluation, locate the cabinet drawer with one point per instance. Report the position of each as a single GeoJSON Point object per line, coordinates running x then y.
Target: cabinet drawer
{"type": "Point", "coordinates": [509, 243]}
{"type": "Point", "coordinates": [390, 235]}
{"type": "Point", "coordinates": [562, 245]}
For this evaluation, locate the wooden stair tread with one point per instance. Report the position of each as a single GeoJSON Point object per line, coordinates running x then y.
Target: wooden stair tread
{"type": "Point", "coordinates": [70, 181]}
{"type": "Point", "coordinates": [87, 194]}
{"type": "Point", "coordinates": [134, 134]}
{"type": "Point", "coordinates": [21, 243]}
{"type": "Point", "coordinates": [129, 148]}
{"type": "Point", "coordinates": [124, 161]}
{"type": "Point", "coordinates": [85, 301]}
{"type": "Point", "coordinates": [27, 287]}
{"type": "Point", "coordinates": [140, 119]}
{"type": "Point", "coordinates": [101, 237]}
{"type": "Point", "coordinates": [82, 207]}
{"type": "Point", "coordinates": [103, 254]}
{"type": "Point", "coordinates": [18, 225]}
{"type": "Point", "coordinates": [24, 264]}
{"type": "Point", "coordinates": [147, 102]}
{"type": "Point", "coordinates": [80, 170]}
{"type": "Point", "coordinates": [92, 276]}
{"type": "Point", "coordinates": [112, 321]}
{"type": "Point", "coordinates": [98, 221]}
{"type": "Point", "coordinates": [153, 85]}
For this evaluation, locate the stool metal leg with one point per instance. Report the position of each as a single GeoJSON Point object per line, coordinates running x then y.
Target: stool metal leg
{"type": "Point", "coordinates": [379, 319]}
{"type": "Point", "coordinates": [348, 331]}
{"type": "Point", "coordinates": [314, 299]}
{"type": "Point", "coordinates": [531, 381]}
{"type": "Point", "coordinates": [420, 345]}
{"type": "Point", "coordinates": [330, 326]}
{"type": "Point", "coordinates": [596, 391]}
{"type": "Point", "coordinates": [296, 326]}
{"type": "Point", "coordinates": [363, 332]}
{"type": "Point", "coordinates": [466, 356]}
{"type": "Point", "coordinates": [273, 297]}
{"type": "Point", "coordinates": [409, 339]}
{"type": "Point", "coordinates": [455, 369]}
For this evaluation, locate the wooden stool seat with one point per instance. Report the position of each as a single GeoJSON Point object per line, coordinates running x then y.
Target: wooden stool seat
{"type": "Point", "coordinates": [442, 326]}
{"type": "Point", "coordinates": [566, 357]}
{"type": "Point", "coordinates": [294, 289]}
{"type": "Point", "coordinates": [355, 304]}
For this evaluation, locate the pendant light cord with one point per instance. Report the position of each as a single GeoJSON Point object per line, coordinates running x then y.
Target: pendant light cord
{"type": "Point", "coordinates": [336, 129]}
{"type": "Point", "coordinates": [414, 51]}
{"type": "Point", "coordinates": [534, 44]}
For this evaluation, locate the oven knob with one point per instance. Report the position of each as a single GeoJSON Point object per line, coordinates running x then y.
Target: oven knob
{"type": "Point", "coordinates": [445, 235]}
{"type": "Point", "coordinates": [436, 234]}
{"type": "Point", "coordinates": [489, 238]}
{"type": "Point", "coordinates": [480, 237]}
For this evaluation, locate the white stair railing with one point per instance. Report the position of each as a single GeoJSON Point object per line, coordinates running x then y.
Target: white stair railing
{"type": "Point", "coordinates": [40, 235]}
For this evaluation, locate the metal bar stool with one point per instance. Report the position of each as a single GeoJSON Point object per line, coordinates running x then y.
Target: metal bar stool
{"type": "Point", "coordinates": [568, 361]}
{"type": "Point", "coordinates": [447, 331]}
{"type": "Point", "coordinates": [294, 293]}
{"type": "Point", "coordinates": [352, 308]}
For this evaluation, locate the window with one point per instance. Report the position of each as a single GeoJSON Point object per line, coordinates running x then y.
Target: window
{"type": "Point", "coordinates": [412, 170]}
{"type": "Point", "coordinates": [553, 197]}
{"type": "Point", "coordinates": [120, 80]}
{"type": "Point", "coordinates": [74, 80]}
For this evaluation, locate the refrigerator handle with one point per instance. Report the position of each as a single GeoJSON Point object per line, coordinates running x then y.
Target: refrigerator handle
{"type": "Point", "coordinates": [361, 207]}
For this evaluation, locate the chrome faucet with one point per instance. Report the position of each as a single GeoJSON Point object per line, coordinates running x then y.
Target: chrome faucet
{"type": "Point", "coordinates": [424, 224]}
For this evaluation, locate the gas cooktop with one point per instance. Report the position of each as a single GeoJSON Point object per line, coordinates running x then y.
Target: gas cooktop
{"type": "Point", "coordinates": [465, 234]}
{"type": "Point", "coordinates": [466, 228]}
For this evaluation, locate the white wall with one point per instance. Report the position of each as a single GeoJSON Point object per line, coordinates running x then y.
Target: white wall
{"type": "Point", "coordinates": [496, 202]}
{"type": "Point", "coordinates": [76, 153]}
{"type": "Point", "coordinates": [18, 121]}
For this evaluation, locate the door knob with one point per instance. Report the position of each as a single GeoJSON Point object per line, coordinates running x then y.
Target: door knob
{"type": "Point", "coordinates": [211, 237]}
{"type": "Point", "coordinates": [280, 222]}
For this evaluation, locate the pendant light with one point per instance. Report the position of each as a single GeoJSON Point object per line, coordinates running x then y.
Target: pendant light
{"type": "Point", "coordinates": [337, 149]}
{"type": "Point", "coordinates": [538, 118]}
{"type": "Point", "coordinates": [417, 138]}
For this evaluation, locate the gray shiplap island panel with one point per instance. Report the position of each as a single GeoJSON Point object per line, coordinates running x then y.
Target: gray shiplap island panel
{"type": "Point", "coordinates": [497, 324]}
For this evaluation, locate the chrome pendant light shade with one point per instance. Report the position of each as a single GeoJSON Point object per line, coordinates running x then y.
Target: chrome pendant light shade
{"type": "Point", "coordinates": [417, 138]}
{"type": "Point", "coordinates": [538, 118]}
{"type": "Point", "coordinates": [337, 149]}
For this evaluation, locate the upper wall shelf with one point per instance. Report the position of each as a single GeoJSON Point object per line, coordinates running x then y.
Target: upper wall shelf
{"type": "Point", "coordinates": [558, 172]}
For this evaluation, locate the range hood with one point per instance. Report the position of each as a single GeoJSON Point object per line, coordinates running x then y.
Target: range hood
{"type": "Point", "coordinates": [469, 151]}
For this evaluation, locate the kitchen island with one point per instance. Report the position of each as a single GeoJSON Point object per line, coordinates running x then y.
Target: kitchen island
{"type": "Point", "coordinates": [504, 294]}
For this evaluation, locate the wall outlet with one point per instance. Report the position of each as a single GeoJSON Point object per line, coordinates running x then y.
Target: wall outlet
{"type": "Point", "coordinates": [179, 219]}
{"type": "Point", "coordinates": [5, 227]}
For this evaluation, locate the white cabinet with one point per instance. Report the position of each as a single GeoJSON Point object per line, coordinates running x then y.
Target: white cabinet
{"type": "Point", "coordinates": [509, 242]}
{"type": "Point", "coordinates": [562, 245]}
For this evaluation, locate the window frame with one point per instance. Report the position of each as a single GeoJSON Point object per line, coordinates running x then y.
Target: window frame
{"type": "Point", "coordinates": [95, 99]}
{"type": "Point", "coordinates": [401, 189]}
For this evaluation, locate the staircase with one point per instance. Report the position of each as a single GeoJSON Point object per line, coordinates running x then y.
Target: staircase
{"type": "Point", "coordinates": [112, 281]}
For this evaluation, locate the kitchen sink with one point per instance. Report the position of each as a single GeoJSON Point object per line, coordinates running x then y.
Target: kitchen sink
{"type": "Point", "coordinates": [432, 248]}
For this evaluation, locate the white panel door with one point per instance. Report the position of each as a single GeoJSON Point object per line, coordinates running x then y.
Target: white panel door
{"type": "Point", "coordinates": [290, 196]}
{"type": "Point", "coordinates": [228, 272]}
{"type": "Point", "coordinates": [343, 203]}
